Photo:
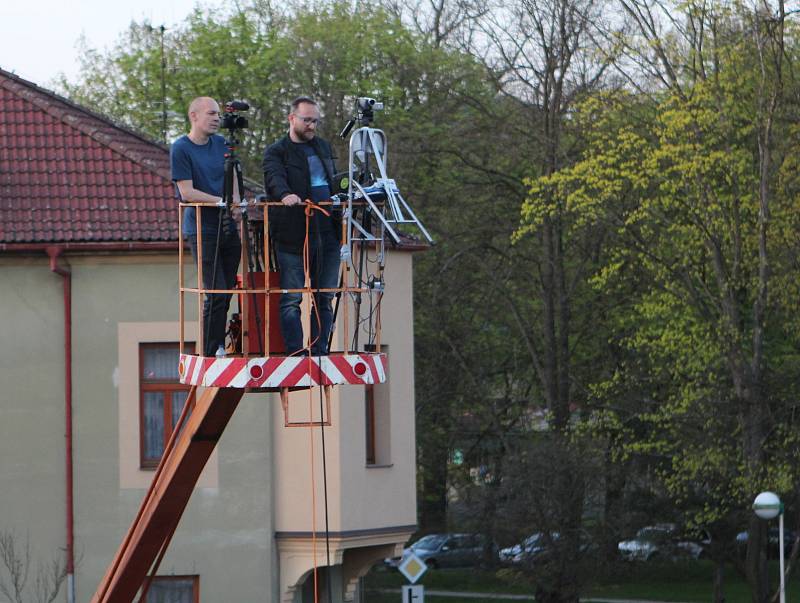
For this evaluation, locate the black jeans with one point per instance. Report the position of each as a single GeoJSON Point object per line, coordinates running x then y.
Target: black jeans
{"type": "Point", "coordinates": [219, 276]}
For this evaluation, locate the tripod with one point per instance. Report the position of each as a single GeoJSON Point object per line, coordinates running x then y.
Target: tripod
{"type": "Point", "coordinates": [382, 207]}
{"type": "Point", "coordinates": [233, 176]}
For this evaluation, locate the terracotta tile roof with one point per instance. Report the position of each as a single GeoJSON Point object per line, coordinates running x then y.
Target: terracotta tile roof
{"type": "Point", "coordinates": [68, 175]}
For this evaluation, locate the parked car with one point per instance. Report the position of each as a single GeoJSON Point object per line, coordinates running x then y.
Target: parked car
{"type": "Point", "coordinates": [772, 542]}
{"type": "Point", "coordinates": [530, 548]}
{"type": "Point", "coordinates": [663, 541]}
{"type": "Point", "coordinates": [446, 550]}
{"type": "Point", "coordinates": [537, 548]}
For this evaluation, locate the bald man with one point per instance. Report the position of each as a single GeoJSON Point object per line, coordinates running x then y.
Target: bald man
{"type": "Point", "coordinates": [198, 170]}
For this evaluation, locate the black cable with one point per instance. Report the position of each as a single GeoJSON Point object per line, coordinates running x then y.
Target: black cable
{"type": "Point", "coordinates": [358, 295]}
{"type": "Point", "coordinates": [369, 319]}
{"type": "Point", "coordinates": [319, 257]}
{"type": "Point", "coordinates": [336, 312]}
{"type": "Point", "coordinates": [325, 494]}
{"type": "Point", "coordinates": [377, 315]}
{"type": "Point", "coordinates": [258, 243]}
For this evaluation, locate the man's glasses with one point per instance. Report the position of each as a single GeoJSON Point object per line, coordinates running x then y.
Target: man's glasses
{"type": "Point", "coordinates": [308, 120]}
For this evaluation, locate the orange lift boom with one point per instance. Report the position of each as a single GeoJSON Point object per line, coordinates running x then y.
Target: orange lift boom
{"type": "Point", "coordinates": [163, 506]}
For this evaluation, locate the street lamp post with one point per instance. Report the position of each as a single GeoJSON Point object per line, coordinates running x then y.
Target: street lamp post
{"type": "Point", "coordinates": [767, 505]}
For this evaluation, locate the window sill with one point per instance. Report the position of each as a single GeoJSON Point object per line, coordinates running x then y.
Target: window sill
{"type": "Point", "coordinates": [379, 465]}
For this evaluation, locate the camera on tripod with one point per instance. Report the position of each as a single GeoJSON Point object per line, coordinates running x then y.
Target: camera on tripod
{"type": "Point", "coordinates": [232, 120]}
{"type": "Point", "coordinates": [365, 108]}
{"type": "Point", "coordinates": [366, 105]}
{"type": "Point", "coordinates": [365, 114]}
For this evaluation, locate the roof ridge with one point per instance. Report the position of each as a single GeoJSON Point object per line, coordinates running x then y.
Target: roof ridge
{"type": "Point", "coordinates": [34, 93]}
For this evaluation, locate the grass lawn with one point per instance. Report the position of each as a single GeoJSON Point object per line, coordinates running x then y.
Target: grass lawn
{"type": "Point", "coordinates": [686, 581]}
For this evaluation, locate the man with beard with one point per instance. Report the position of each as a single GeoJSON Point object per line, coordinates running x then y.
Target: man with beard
{"type": "Point", "coordinates": [298, 168]}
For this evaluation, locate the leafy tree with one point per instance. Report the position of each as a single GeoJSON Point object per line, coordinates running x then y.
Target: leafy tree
{"type": "Point", "coordinates": [689, 195]}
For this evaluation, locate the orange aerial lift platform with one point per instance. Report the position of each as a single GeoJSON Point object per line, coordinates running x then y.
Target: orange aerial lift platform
{"type": "Point", "coordinates": [372, 209]}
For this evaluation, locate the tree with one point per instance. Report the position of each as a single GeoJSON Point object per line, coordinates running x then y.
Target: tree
{"type": "Point", "coordinates": [19, 581]}
{"type": "Point", "coordinates": [647, 303]}
{"type": "Point", "coordinates": [689, 192]}
{"type": "Point", "coordinates": [520, 330]}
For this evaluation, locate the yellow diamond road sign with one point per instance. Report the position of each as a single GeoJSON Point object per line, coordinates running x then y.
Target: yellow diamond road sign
{"type": "Point", "coordinates": [412, 567]}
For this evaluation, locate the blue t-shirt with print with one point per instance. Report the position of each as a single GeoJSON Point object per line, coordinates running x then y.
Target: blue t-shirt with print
{"type": "Point", "coordinates": [320, 189]}
{"type": "Point", "coordinates": [204, 165]}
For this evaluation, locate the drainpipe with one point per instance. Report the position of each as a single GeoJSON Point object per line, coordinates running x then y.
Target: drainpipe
{"type": "Point", "coordinates": [66, 274]}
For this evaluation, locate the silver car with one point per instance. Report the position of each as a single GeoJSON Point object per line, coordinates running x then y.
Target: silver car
{"type": "Point", "coordinates": [662, 541]}
{"type": "Point", "coordinates": [530, 548]}
{"type": "Point", "coordinates": [540, 547]}
{"type": "Point", "coordinates": [445, 550]}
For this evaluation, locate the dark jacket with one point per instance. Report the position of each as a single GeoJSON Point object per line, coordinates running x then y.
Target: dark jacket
{"type": "Point", "coordinates": [285, 172]}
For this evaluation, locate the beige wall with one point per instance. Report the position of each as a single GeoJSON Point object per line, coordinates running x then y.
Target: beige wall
{"type": "Point", "coordinates": [230, 521]}
{"type": "Point", "coordinates": [364, 497]}
{"type": "Point", "coordinates": [32, 401]}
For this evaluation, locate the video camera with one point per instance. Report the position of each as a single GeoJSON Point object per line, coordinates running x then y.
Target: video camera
{"type": "Point", "coordinates": [365, 107]}
{"type": "Point", "coordinates": [365, 114]}
{"type": "Point", "coordinates": [232, 120]}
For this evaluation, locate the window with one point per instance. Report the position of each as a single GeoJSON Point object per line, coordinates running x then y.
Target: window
{"type": "Point", "coordinates": [174, 589]}
{"type": "Point", "coordinates": [131, 336]}
{"type": "Point", "coordinates": [162, 397]}
{"type": "Point", "coordinates": [369, 409]}
{"type": "Point", "coordinates": [378, 425]}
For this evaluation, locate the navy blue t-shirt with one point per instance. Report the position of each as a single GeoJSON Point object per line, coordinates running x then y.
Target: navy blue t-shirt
{"type": "Point", "coordinates": [204, 165]}
{"type": "Point", "coordinates": [320, 189]}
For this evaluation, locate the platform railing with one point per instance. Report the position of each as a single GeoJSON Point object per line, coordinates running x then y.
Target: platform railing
{"type": "Point", "coordinates": [257, 219]}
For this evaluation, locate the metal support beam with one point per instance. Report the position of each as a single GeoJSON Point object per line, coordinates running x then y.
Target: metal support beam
{"type": "Point", "coordinates": [167, 499]}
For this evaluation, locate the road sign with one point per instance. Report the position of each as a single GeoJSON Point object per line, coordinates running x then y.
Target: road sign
{"type": "Point", "coordinates": [413, 593]}
{"type": "Point", "coordinates": [412, 567]}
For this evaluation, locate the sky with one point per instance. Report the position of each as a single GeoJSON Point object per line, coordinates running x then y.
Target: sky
{"type": "Point", "coordinates": [38, 38]}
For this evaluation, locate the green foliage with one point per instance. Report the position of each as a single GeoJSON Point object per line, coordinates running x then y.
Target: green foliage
{"type": "Point", "coordinates": [335, 52]}
{"type": "Point", "coordinates": [676, 177]}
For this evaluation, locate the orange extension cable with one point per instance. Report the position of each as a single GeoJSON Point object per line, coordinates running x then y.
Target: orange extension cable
{"type": "Point", "coordinates": [309, 208]}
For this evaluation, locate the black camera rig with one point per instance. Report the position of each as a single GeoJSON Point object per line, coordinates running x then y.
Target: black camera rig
{"type": "Point", "coordinates": [232, 121]}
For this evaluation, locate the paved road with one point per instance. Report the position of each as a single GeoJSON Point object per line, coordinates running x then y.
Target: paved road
{"type": "Point", "coordinates": [509, 597]}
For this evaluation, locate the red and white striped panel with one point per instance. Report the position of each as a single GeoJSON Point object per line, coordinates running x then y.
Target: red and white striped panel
{"type": "Point", "coordinates": [283, 371]}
